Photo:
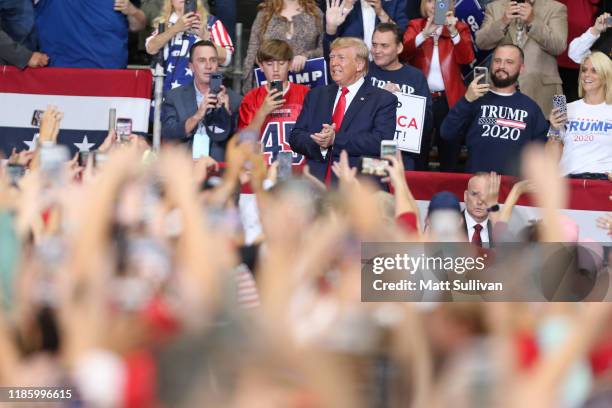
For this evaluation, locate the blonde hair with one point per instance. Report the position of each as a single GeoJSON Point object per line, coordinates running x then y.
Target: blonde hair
{"type": "Point", "coordinates": [167, 10]}
{"type": "Point", "coordinates": [603, 66]}
{"type": "Point", "coordinates": [360, 47]}
{"type": "Point", "coordinates": [424, 11]}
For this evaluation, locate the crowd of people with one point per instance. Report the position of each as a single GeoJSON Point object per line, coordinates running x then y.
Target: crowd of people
{"type": "Point", "coordinates": [225, 269]}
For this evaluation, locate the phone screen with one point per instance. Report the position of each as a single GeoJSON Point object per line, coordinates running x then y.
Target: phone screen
{"type": "Point", "coordinates": [387, 148]}
{"type": "Point", "coordinates": [285, 161]}
{"type": "Point", "coordinates": [374, 166]}
{"type": "Point", "coordinates": [123, 128]}
{"type": "Point", "coordinates": [36, 117]}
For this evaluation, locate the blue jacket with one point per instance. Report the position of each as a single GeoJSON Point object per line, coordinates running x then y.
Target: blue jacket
{"type": "Point", "coordinates": [369, 119]}
{"type": "Point", "coordinates": [180, 104]}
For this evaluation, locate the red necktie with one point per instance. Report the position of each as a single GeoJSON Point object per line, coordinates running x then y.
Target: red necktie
{"type": "Point", "coordinates": [476, 237]}
{"type": "Point", "coordinates": [337, 117]}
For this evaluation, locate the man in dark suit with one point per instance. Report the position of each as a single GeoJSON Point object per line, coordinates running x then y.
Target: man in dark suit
{"type": "Point", "coordinates": [194, 115]}
{"type": "Point", "coordinates": [350, 115]}
{"type": "Point", "coordinates": [478, 226]}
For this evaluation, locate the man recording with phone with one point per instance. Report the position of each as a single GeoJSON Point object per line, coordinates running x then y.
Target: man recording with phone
{"type": "Point", "coordinates": [539, 28]}
{"type": "Point", "coordinates": [204, 113]}
{"type": "Point", "coordinates": [272, 109]}
{"type": "Point", "coordinates": [497, 119]}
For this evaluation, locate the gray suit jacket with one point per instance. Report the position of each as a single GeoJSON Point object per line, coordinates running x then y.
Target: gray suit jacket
{"type": "Point", "coordinates": [546, 39]}
{"type": "Point", "coordinates": [180, 104]}
{"type": "Point", "coordinates": [13, 53]}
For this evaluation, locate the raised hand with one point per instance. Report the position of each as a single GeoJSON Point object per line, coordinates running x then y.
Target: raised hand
{"type": "Point", "coordinates": [334, 15]}
{"type": "Point", "coordinates": [476, 90]}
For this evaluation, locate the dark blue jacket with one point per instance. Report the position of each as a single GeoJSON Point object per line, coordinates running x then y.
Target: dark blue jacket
{"type": "Point", "coordinates": [369, 119]}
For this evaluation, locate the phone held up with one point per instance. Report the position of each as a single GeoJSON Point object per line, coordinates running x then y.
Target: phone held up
{"type": "Point", "coordinates": [123, 129]}
{"type": "Point", "coordinates": [441, 8]}
{"type": "Point", "coordinates": [560, 102]}
{"type": "Point", "coordinates": [216, 80]}
{"type": "Point", "coordinates": [484, 71]}
{"type": "Point", "coordinates": [277, 86]}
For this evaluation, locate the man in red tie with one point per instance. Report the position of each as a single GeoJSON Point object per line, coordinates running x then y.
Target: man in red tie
{"type": "Point", "coordinates": [476, 214]}
{"type": "Point", "coordinates": [349, 115]}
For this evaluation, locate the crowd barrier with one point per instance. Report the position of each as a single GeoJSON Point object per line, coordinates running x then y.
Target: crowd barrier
{"type": "Point", "coordinates": [587, 199]}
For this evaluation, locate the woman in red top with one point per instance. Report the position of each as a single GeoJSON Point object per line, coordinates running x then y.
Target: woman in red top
{"type": "Point", "coordinates": [439, 51]}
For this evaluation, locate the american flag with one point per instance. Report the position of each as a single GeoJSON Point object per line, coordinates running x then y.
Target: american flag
{"type": "Point", "coordinates": [502, 122]}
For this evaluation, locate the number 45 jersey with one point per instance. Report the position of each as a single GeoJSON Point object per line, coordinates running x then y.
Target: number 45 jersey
{"type": "Point", "coordinates": [275, 131]}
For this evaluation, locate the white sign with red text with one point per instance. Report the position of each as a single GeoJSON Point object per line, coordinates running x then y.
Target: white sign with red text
{"type": "Point", "coordinates": [410, 118]}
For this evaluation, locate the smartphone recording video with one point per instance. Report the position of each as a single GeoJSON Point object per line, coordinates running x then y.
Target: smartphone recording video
{"type": "Point", "coordinates": [216, 80]}
{"type": "Point", "coordinates": [441, 8]}
{"type": "Point", "coordinates": [373, 166]}
{"type": "Point", "coordinates": [285, 163]}
{"type": "Point", "coordinates": [37, 117]}
{"type": "Point", "coordinates": [388, 148]}
{"type": "Point", "coordinates": [484, 71]}
{"type": "Point", "coordinates": [123, 129]}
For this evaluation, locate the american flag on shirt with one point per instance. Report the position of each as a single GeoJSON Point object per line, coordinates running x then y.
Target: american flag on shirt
{"type": "Point", "coordinates": [502, 122]}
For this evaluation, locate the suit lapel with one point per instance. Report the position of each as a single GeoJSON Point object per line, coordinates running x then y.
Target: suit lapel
{"type": "Point", "coordinates": [190, 98]}
{"type": "Point", "coordinates": [356, 104]}
{"type": "Point", "coordinates": [332, 91]}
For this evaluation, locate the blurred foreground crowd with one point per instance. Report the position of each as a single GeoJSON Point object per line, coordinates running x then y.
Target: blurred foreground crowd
{"type": "Point", "coordinates": [225, 269]}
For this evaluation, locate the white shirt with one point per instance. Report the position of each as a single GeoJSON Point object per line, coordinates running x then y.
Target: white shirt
{"type": "Point", "coordinates": [352, 91]}
{"type": "Point", "coordinates": [369, 22]}
{"type": "Point", "coordinates": [471, 222]}
{"type": "Point", "coordinates": [581, 46]}
{"type": "Point", "coordinates": [587, 145]}
{"type": "Point", "coordinates": [434, 77]}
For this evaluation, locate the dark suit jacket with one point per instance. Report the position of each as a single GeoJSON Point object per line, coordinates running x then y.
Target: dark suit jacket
{"type": "Point", "coordinates": [369, 119]}
{"type": "Point", "coordinates": [13, 53]}
{"type": "Point", "coordinates": [180, 104]}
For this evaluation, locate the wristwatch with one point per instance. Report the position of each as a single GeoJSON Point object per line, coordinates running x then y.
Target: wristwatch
{"type": "Point", "coordinates": [493, 208]}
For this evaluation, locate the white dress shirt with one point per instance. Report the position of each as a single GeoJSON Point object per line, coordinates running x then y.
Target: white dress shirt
{"type": "Point", "coordinates": [352, 91]}
{"type": "Point", "coordinates": [471, 222]}
{"type": "Point", "coordinates": [368, 16]}
{"type": "Point", "coordinates": [434, 77]}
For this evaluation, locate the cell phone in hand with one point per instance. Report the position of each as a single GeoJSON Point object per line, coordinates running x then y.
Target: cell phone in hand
{"type": "Point", "coordinates": [191, 6]}
{"type": "Point", "coordinates": [608, 21]}
{"type": "Point", "coordinates": [519, 1]}
{"type": "Point", "coordinates": [37, 117]}
{"type": "Point", "coordinates": [52, 159]}
{"type": "Point", "coordinates": [388, 148]}
{"type": "Point", "coordinates": [278, 86]}
{"type": "Point", "coordinates": [285, 163]}
{"type": "Point", "coordinates": [374, 166]}
{"type": "Point", "coordinates": [216, 80]}
{"type": "Point", "coordinates": [484, 71]}
{"type": "Point", "coordinates": [123, 129]}
{"type": "Point", "coordinates": [560, 102]}
{"type": "Point", "coordinates": [441, 7]}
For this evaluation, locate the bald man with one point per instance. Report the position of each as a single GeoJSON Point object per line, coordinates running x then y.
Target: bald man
{"type": "Point", "coordinates": [476, 214]}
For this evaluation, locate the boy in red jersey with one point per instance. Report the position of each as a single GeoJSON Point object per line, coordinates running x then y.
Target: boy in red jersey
{"type": "Point", "coordinates": [268, 111]}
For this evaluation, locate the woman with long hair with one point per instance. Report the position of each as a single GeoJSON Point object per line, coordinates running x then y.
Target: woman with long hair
{"type": "Point", "coordinates": [182, 30]}
{"type": "Point", "coordinates": [439, 51]}
{"type": "Point", "coordinates": [583, 134]}
{"type": "Point", "coordinates": [298, 22]}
